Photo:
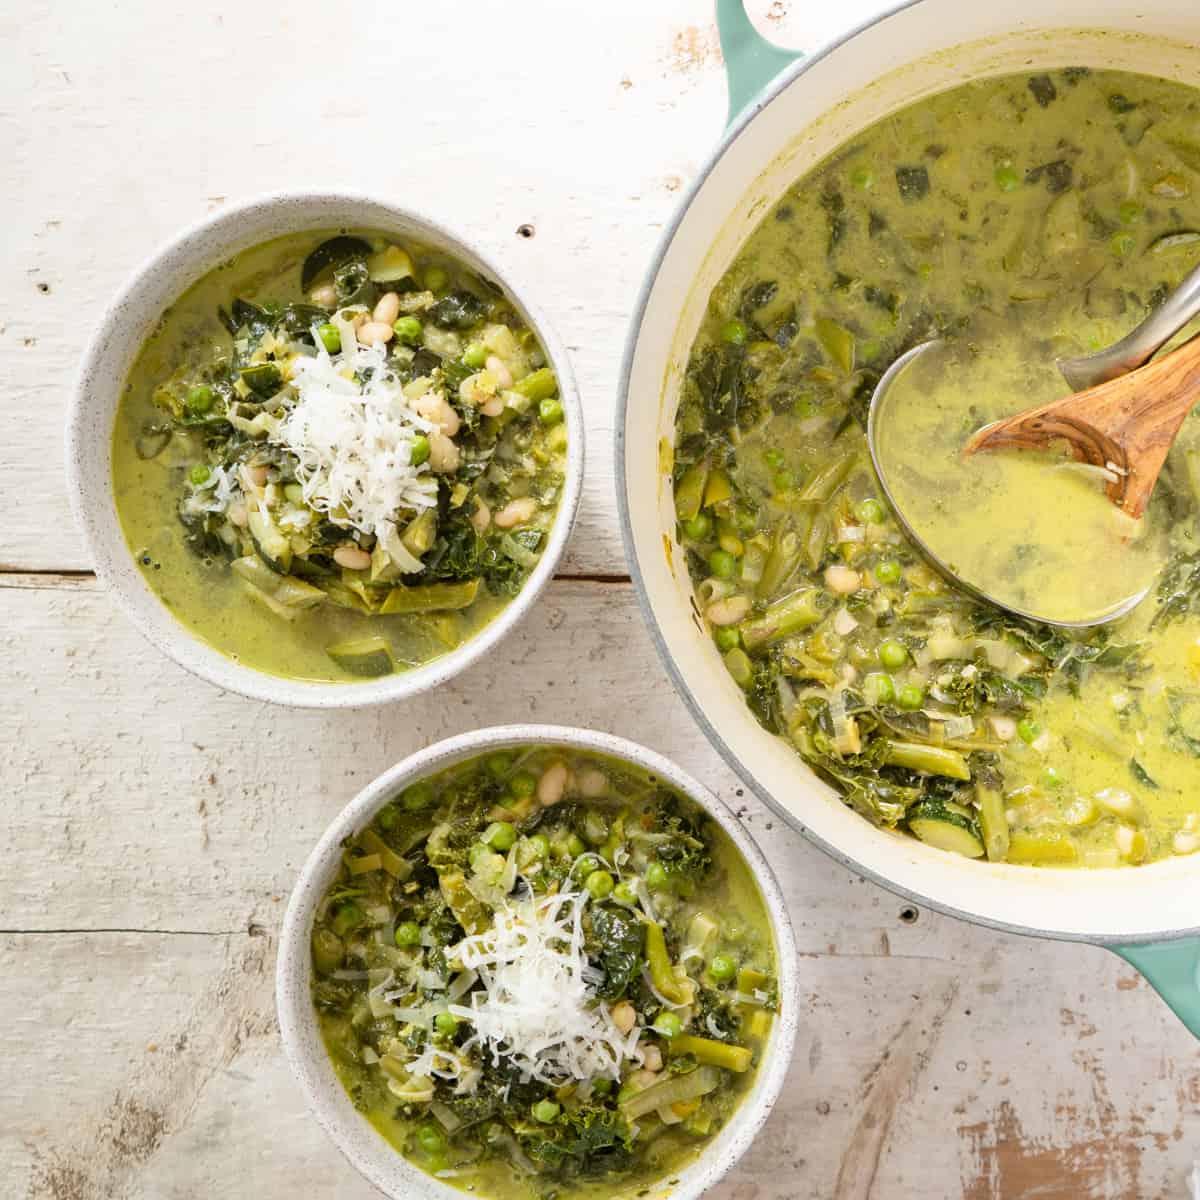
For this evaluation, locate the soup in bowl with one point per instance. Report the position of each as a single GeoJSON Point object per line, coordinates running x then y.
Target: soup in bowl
{"type": "Point", "coordinates": [343, 457]}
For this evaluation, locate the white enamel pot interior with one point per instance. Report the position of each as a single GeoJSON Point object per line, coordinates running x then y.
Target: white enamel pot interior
{"type": "Point", "coordinates": [126, 324]}
{"type": "Point", "coordinates": [354, 1136]}
{"type": "Point", "coordinates": [794, 120]}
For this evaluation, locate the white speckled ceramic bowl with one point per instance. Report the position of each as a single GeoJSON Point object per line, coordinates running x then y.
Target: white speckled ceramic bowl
{"type": "Point", "coordinates": [108, 359]}
{"type": "Point", "coordinates": [354, 1136]}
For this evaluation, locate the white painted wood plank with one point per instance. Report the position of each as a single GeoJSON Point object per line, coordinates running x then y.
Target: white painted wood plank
{"type": "Point", "coordinates": [126, 123]}
{"type": "Point", "coordinates": [933, 1052]}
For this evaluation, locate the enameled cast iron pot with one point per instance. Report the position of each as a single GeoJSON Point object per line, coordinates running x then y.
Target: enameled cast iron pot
{"type": "Point", "coordinates": [786, 113]}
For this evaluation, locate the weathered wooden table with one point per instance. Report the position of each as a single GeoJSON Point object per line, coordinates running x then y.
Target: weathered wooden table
{"type": "Point", "coordinates": [151, 825]}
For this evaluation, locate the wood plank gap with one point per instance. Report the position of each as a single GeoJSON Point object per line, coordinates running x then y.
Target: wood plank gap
{"type": "Point", "coordinates": [255, 931]}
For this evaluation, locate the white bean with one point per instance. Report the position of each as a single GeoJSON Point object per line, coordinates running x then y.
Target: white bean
{"type": "Point", "coordinates": [237, 514]}
{"type": "Point", "coordinates": [728, 611]}
{"type": "Point", "coordinates": [1185, 843]}
{"type": "Point", "coordinates": [842, 579]}
{"type": "Point", "coordinates": [503, 375]}
{"type": "Point", "coordinates": [623, 1016]}
{"type": "Point", "coordinates": [593, 783]}
{"type": "Point", "coordinates": [388, 308]}
{"type": "Point", "coordinates": [552, 784]}
{"type": "Point", "coordinates": [325, 296]}
{"type": "Point", "coordinates": [372, 333]}
{"type": "Point", "coordinates": [353, 558]}
{"type": "Point", "coordinates": [257, 474]}
{"type": "Point", "coordinates": [516, 512]}
{"type": "Point", "coordinates": [652, 1058]}
{"type": "Point", "coordinates": [433, 406]}
{"type": "Point", "coordinates": [443, 453]}
{"type": "Point", "coordinates": [493, 407]}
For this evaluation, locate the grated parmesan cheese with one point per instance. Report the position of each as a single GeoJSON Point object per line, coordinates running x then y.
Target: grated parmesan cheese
{"type": "Point", "coordinates": [353, 443]}
{"type": "Point", "coordinates": [535, 1007]}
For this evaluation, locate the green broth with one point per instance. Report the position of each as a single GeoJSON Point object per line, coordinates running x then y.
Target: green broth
{"type": "Point", "coordinates": [1055, 545]}
{"type": "Point", "coordinates": [340, 627]}
{"type": "Point", "coordinates": [1045, 214]}
{"type": "Point", "coordinates": [478, 845]}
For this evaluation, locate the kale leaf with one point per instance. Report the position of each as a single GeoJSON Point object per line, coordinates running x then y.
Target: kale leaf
{"type": "Point", "coordinates": [621, 939]}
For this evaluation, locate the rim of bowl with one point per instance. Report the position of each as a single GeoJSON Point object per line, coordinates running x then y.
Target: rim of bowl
{"type": "Point", "coordinates": [354, 1136]}
{"type": "Point", "coordinates": [93, 503]}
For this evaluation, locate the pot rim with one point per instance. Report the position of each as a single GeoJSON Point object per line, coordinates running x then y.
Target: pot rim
{"type": "Point", "coordinates": [770, 92]}
{"type": "Point", "coordinates": [357, 1140]}
{"type": "Point", "coordinates": [92, 501]}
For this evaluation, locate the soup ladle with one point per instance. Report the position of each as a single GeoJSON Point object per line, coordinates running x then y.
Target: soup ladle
{"type": "Point", "coordinates": [1123, 418]}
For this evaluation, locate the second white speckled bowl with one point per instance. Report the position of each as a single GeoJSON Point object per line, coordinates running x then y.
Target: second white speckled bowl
{"type": "Point", "coordinates": [123, 329]}
{"type": "Point", "coordinates": [354, 1136]}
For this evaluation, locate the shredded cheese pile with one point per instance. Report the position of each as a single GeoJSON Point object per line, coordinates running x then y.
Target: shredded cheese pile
{"type": "Point", "coordinates": [535, 1008]}
{"type": "Point", "coordinates": [353, 443]}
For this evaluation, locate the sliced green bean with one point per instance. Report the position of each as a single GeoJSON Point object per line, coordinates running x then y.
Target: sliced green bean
{"type": "Point", "coordinates": [431, 597]}
{"type": "Point", "coordinates": [802, 608]}
{"type": "Point", "coordinates": [932, 760]}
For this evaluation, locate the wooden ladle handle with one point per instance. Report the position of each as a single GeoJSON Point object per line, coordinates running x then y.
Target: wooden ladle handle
{"type": "Point", "coordinates": [1127, 425]}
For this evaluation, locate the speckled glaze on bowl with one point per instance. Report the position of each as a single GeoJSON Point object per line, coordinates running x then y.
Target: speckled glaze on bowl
{"type": "Point", "coordinates": [123, 329]}
{"type": "Point", "coordinates": [354, 1136]}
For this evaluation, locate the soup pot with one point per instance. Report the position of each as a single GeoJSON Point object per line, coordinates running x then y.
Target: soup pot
{"type": "Point", "coordinates": [366, 1149]}
{"type": "Point", "coordinates": [787, 112]}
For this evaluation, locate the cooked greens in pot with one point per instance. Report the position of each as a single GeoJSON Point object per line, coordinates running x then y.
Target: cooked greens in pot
{"type": "Point", "coordinates": [339, 456]}
{"type": "Point", "coordinates": [1057, 210]}
{"type": "Point", "coordinates": [544, 973]}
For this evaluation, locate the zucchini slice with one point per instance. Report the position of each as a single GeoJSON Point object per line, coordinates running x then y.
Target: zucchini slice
{"type": "Point", "coordinates": [937, 825]}
{"type": "Point", "coordinates": [368, 657]}
{"type": "Point", "coordinates": [390, 265]}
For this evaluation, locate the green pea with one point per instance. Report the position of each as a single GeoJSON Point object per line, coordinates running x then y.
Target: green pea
{"type": "Point", "coordinates": [1052, 777]}
{"type": "Point", "coordinates": [881, 688]}
{"type": "Point", "coordinates": [474, 356]}
{"type": "Point", "coordinates": [722, 968]}
{"type": "Point", "coordinates": [601, 1087]}
{"type": "Point", "coordinates": [1123, 244]}
{"type": "Point", "coordinates": [199, 398]}
{"type": "Point", "coordinates": [887, 571]}
{"type": "Point", "coordinates": [1007, 178]}
{"type": "Point", "coordinates": [418, 796]}
{"type": "Point", "coordinates": [539, 845]}
{"type": "Point", "coordinates": [431, 1139]}
{"type": "Point", "coordinates": [550, 411]}
{"type": "Point", "coordinates": [575, 845]}
{"type": "Point", "coordinates": [500, 835]}
{"type": "Point", "coordinates": [330, 337]}
{"type": "Point", "coordinates": [408, 933]}
{"type": "Point", "coordinates": [199, 474]}
{"type": "Point", "coordinates": [722, 564]}
{"type": "Point", "coordinates": [784, 481]}
{"type": "Point", "coordinates": [1129, 212]}
{"type": "Point", "coordinates": [623, 893]}
{"type": "Point", "coordinates": [546, 1111]}
{"type": "Point", "coordinates": [586, 865]}
{"type": "Point", "coordinates": [523, 784]}
{"type": "Point", "coordinates": [773, 457]}
{"type": "Point", "coordinates": [657, 877]}
{"type": "Point", "coordinates": [499, 764]}
{"type": "Point", "coordinates": [599, 884]}
{"type": "Point", "coordinates": [445, 1023]}
{"type": "Point", "coordinates": [727, 637]}
{"type": "Point", "coordinates": [870, 511]}
{"type": "Point", "coordinates": [911, 696]}
{"type": "Point", "coordinates": [863, 178]}
{"type": "Point", "coordinates": [477, 853]}
{"type": "Point", "coordinates": [408, 330]}
{"type": "Point", "coordinates": [1028, 730]}
{"type": "Point", "coordinates": [436, 279]}
{"type": "Point", "coordinates": [893, 654]}
{"type": "Point", "coordinates": [667, 1025]}
{"type": "Point", "coordinates": [419, 453]}
{"type": "Point", "coordinates": [386, 818]}
{"type": "Point", "coordinates": [699, 527]}
{"type": "Point", "coordinates": [734, 332]}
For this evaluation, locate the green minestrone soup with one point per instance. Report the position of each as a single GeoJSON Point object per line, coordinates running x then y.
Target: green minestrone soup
{"type": "Point", "coordinates": [1020, 219]}
{"type": "Point", "coordinates": [339, 456]}
{"type": "Point", "coordinates": [544, 973]}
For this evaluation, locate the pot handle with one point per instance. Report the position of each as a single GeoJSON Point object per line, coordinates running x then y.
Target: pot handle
{"type": "Point", "coordinates": [1173, 970]}
{"type": "Point", "coordinates": [751, 62]}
